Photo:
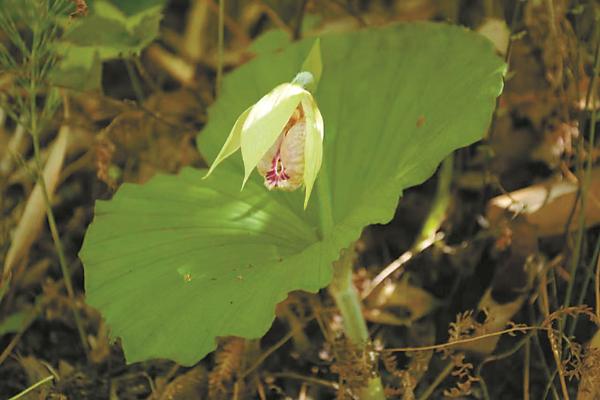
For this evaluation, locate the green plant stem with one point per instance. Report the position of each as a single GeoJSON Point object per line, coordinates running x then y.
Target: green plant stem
{"type": "Point", "coordinates": [35, 133]}
{"type": "Point", "coordinates": [438, 210]}
{"type": "Point", "coordinates": [586, 281]}
{"type": "Point", "coordinates": [58, 245]}
{"type": "Point", "coordinates": [484, 389]}
{"type": "Point", "coordinates": [586, 181]}
{"type": "Point", "coordinates": [550, 386]}
{"type": "Point", "coordinates": [135, 82]}
{"type": "Point", "coordinates": [527, 370]}
{"type": "Point", "coordinates": [427, 235]}
{"type": "Point", "coordinates": [438, 380]}
{"type": "Point", "coordinates": [597, 288]}
{"type": "Point", "coordinates": [32, 387]}
{"type": "Point", "coordinates": [557, 354]}
{"type": "Point", "coordinates": [355, 326]}
{"type": "Point", "coordinates": [542, 357]}
{"type": "Point", "coordinates": [348, 302]}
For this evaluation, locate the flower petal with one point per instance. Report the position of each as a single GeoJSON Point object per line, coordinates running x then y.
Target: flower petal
{"type": "Point", "coordinates": [313, 145]}
{"type": "Point", "coordinates": [265, 122]}
{"type": "Point", "coordinates": [292, 155]}
{"type": "Point", "coordinates": [233, 142]}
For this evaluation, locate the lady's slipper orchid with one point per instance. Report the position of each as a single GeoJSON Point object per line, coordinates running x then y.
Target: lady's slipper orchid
{"type": "Point", "coordinates": [281, 135]}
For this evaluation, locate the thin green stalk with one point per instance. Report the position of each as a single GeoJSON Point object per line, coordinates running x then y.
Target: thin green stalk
{"type": "Point", "coordinates": [597, 288]}
{"type": "Point", "coordinates": [549, 376]}
{"type": "Point", "coordinates": [135, 81]}
{"type": "Point", "coordinates": [437, 381]}
{"type": "Point", "coordinates": [34, 130]}
{"type": "Point", "coordinates": [484, 389]}
{"type": "Point", "coordinates": [58, 245]}
{"type": "Point", "coordinates": [220, 44]}
{"type": "Point", "coordinates": [557, 354]}
{"type": "Point", "coordinates": [348, 301]}
{"type": "Point", "coordinates": [355, 326]}
{"type": "Point", "coordinates": [427, 235]}
{"type": "Point", "coordinates": [439, 207]}
{"type": "Point", "coordinates": [32, 387]}
{"type": "Point", "coordinates": [586, 181]}
{"type": "Point", "coordinates": [586, 281]}
{"type": "Point", "coordinates": [550, 385]}
{"type": "Point", "coordinates": [526, 370]}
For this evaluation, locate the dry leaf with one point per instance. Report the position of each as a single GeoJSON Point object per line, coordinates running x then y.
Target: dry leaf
{"type": "Point", "coordinates": [496, 30]}
{"type": "Point", "coordinates": [35, 370]}
{"type": "Point", "coordinates": [549, 205]}
{"type": "Point", "coordinates": [589, 388]}
{"type": "Point", "coordinates": [187, 386]}
{"type": "Point", "coordinates": [399, 303]}
{"type": "Point", "coordinates": [35, 209]}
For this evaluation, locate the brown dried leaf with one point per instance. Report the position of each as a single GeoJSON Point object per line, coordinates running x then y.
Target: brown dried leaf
{"type": "Point", "coordinates": [99, 345]}
{"type": "Point", "coordinates": [548, 205]}
{"type": "Point", "coordinates": [190, 385]}
{"type": "Point", "coordinates": [35, 209]}
{"type": "Point", "coordinates": [496, 30]}
{"type": "Point", "coordinates": [35, 370]}
{"type": "Point", "coordinates": [399, 303]}
{"type": "Point", "coordinates": [228, 361]}
{"type": "Point", "coordinates": [589, 388]}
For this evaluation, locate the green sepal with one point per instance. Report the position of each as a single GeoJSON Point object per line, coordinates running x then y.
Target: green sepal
{"type": "Point", "coordinates": [233, 142]}
{"type": "Point", "coordinates": [313, 146]}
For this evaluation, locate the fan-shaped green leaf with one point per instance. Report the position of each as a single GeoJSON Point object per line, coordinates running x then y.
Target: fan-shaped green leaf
{"type": "Point", "coordinates": [179, 261]}
{"type": "Point", "coordinates": [174, 263]}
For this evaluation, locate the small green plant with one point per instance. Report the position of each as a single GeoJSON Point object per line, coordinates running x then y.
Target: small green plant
{"type": "Point", "coordinates": [42, 56]}
{"type": "Point", "coordinates": [180, 261]}
{"type": "Point", "coordinates": [32, 29]}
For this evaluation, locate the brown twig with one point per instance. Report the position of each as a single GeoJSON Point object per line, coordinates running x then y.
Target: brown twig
{"type": "Point", "coordinates": [467, 340]}
{"type": "Point", "coordinates": [231, 25]}
{"type": "Point", "coordinates": [304, 378]}
{"type": "Point", "coordinates": [299, 18]}
{"type": "Point", "coordinates": [275, 18]}
{"type": "Point", "coordinates": [267, 353]}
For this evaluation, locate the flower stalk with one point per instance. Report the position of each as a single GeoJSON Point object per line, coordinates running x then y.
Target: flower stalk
{"type": "Point", "coordinates": [355, 327]}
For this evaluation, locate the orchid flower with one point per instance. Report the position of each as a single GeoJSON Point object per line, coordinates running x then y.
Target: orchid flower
{"type": "Point", "coordinates": [282, 134]}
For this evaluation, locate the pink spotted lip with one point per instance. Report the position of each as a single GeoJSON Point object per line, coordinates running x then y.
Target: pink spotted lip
{"type": "Point", "coordinates": [276, 175]}
{"type": "Point", "coordinates": [283, 165]}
